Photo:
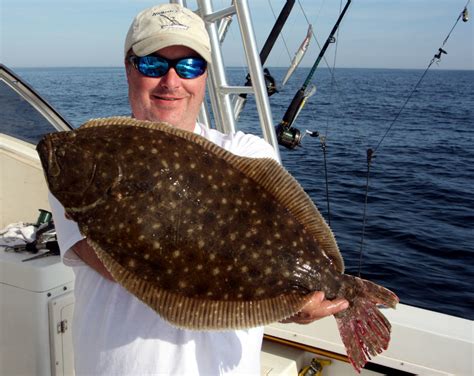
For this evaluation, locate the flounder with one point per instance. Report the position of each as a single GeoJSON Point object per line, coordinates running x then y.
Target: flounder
{"type": "Point", "coordinates": [208, 239]}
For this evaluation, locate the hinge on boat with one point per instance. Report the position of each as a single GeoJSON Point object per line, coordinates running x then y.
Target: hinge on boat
{"type": "Point", "coordinates": [62, 326]}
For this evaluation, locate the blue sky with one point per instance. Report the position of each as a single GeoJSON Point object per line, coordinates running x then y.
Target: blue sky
{"type": "Point", "coordinates": [375, 33]}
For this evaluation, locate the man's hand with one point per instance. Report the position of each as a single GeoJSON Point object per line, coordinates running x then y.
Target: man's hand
{"type": "Point", "coordinates": [317, 308]}
{"type": "Point", "coordinates": [87, 254]}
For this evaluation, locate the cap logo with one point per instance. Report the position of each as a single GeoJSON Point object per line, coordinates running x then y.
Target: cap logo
{"type": "Point", "coordinates": [171, 22]}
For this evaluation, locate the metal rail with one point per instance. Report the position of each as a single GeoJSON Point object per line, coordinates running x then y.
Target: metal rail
{"type": "Point", "coordinates": [220, 93]}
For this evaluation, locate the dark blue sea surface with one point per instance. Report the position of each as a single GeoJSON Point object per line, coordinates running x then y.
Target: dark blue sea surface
{"type": "Point", "coordinates": [419, 222]}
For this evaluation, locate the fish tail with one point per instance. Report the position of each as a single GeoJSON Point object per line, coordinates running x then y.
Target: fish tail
{"type": "Point", "coordinates": [364, 330]}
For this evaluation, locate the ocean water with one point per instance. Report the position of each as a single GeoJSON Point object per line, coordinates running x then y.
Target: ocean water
{"type": "Point", "coordinates": [419, 222]}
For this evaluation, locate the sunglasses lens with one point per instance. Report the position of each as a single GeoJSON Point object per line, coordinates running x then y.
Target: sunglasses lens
{"type": "Point", "coordinates": [191, 67]}
{"type": "Point", "coordinates": [152, 66]}
{"type": "Point", "coordinates": [156, 66]}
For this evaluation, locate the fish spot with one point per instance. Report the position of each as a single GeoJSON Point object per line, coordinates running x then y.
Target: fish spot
{"type": "Point", "coordinates": [215, 271]}
{"type": "Point", "coordinates": [176, 253]}
{"type": "Point", "coordinates": [132, 263]}
{"type": "Point", "coordinates": [199, 267]}
{"type": "Point", "coordinates": [164, 163]}
{"type": "Point", "coordinates": [146, 256]}
{"type": "Point", "coordinates": [268, 270]}
{"type": "Point", "coordinates": [156, 245]}
{"type": "Point", "coordinates": [182, 284]}
{"type": "Point", "coordinates": [244, 269]}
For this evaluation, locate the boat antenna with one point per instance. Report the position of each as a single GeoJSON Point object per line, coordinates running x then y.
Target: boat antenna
{"type": "Point", "coordinates": [285, 128]}
{"type": "Point", "coordinates": [371, 152]}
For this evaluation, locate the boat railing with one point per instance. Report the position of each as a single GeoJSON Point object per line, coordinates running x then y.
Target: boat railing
{"type": "Point", "coordinates": [220, 92]}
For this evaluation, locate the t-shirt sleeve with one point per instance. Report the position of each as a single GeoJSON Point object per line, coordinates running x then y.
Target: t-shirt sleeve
{"type": "Point", "coordinates": [67, 232]}
{"type": "Point", "coordinates": [249, 145]}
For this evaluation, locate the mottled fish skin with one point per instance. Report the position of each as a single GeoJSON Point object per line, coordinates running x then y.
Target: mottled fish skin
{"type": "Point", "coordinates": [174, 216]}
{"type": "Point", "coordinates": [209, 229]}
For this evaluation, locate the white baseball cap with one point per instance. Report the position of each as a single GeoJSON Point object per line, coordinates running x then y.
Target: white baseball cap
{"type": "Point", "coordinates": [167, 25]}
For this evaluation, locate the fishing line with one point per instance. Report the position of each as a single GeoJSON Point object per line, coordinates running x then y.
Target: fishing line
{"type": "Point", "coordinates": [371, 152]}
{"type": "Point", "coordinates": [436, 58]}
{"type": "Point", "coordinates": [323, 138]}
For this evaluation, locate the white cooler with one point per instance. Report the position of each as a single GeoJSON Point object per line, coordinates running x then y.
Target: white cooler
{"type": "Point", "coordinates": [36, 304]}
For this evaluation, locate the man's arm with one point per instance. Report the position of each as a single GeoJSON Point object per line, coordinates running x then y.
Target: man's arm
{"type": "Point", "coordinates": [87, 254]}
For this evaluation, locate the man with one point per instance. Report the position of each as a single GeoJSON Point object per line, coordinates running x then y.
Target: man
{"type": "Point", "coordinates": [166, 53]}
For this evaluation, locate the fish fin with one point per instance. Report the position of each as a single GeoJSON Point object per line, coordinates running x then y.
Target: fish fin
{"type": "Point", "coordinates": [265, 171]}
{"type": "Point", "coordinates": [364, 330]}
{"type": "Point", "coordinates": [286, 189]}
{"type": "Point", "coordinates": [200, 314]}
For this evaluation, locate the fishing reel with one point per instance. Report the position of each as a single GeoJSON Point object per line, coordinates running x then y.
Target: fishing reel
{"type": "Point", "coordinates": [289, 137]}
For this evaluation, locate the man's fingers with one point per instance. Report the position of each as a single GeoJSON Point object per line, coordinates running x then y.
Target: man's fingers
{"type": "Point", "coordinates": [318, 308]}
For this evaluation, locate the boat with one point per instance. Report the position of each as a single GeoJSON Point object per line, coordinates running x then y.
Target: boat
{"type": "Point", "coordinates": [36, 297]}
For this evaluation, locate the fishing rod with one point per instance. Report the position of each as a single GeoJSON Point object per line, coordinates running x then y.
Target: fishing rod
{"type": "Point", "coordinates": [241, 99]}
{"type": "Point", "coordinates": [287, 135]}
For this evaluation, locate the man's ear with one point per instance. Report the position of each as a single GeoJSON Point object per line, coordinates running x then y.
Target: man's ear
{"type": "Point", "coordinates": [128, 67]}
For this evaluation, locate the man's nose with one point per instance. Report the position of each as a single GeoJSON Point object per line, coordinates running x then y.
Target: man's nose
{"type": "Point", "coordinates": [170, 79]}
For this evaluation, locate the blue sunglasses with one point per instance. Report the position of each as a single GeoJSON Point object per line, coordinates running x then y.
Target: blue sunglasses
{"type": "Point", "coordinates": [158, 66]}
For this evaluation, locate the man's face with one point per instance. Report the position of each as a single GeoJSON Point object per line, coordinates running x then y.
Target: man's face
{"type": "Point", "coordinates": [169, 98]}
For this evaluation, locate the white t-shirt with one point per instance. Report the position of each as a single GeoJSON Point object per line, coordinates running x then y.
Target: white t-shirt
{"type": "Point", "coordinates": [116, 334]}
